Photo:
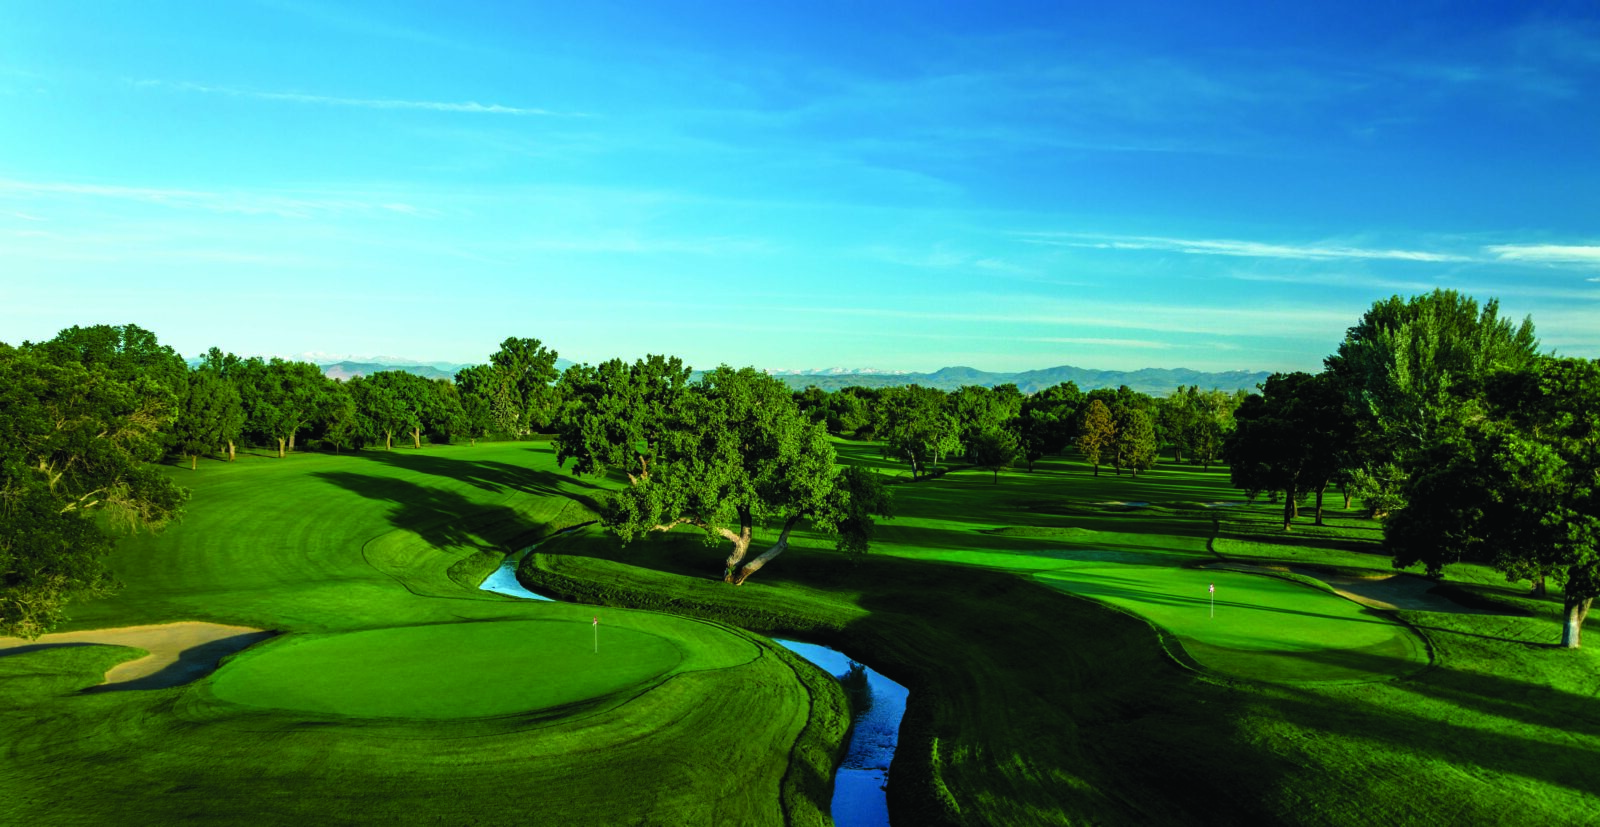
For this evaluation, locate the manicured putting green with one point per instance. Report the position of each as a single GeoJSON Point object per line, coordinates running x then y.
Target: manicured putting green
{"type": "Point", "coordinates": [1265, 628]}
{"type": "Point", "coordinates": [453, 670]}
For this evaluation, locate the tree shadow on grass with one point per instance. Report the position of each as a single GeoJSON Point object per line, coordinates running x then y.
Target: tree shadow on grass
{"type": "Point", "coordinates": [1430, 726]}
{"type": "Point", "coordinates": [488, 475]}
{"type": "Point", "coordinates": [441, 517]}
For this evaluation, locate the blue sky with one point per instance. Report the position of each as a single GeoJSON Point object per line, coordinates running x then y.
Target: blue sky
{"type": "Point", "coordinates": [900, 186]}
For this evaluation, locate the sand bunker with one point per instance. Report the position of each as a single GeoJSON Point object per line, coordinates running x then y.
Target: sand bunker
{"type": "Point", "coordinates": [179, 652]}
{"type": "Point", "coordinates": [1394, 591]}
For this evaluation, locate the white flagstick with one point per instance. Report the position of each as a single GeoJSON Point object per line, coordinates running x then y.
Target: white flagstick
{"type": "Point", "coordinates": [597, 634]}
{"type": "Point", "coordinates": [1212, 588]}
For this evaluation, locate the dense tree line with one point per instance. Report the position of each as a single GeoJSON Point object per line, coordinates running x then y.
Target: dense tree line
{"type": "Point", "coordinates": [992, 428]}
{"type": "Point", "coordinates": [84, 416]}
{"type": "Point", "coordinates": [1470, 443]}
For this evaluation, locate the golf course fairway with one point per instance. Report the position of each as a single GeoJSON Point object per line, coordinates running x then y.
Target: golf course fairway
{"type": "Point", "coordinates": [1048, 641]}
{"type": "Point", "coordinates": [452, 670]}
{"type": "Point", "coordinates": [1255, 626]}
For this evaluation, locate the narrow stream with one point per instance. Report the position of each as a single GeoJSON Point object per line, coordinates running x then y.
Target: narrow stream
{"type": "Point", "coordinates": [876, 707]}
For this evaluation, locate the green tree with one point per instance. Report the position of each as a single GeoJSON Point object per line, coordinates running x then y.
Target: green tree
{"type": "Point", "coordinates": [526, 373]}
{"type": "Point", "coordinates": [979, 410]}
{"type": "Point", "coordinates": [738, 453]}
{"type": "Point", "coordinates": [618, 416]}
{"type": "Point", "coordinates": [993, 450]}
{"type": "Point", "coordinates": [1517, 486]}
{"type": "Point", "coordinates": [75, 442]}
{"type": "Point", "coordinates": [209, 418]}
{"type": "Point", "coordinates": [379, 407]}
{"type": "Point", "coordinates": [1409, 366]}
{"type": "Point", "coordinates": [1291, 438]}
{"type": "Point", "coordinates": [917, 427]}
{"type": "Point", "coordinates": [228, 367]}
{"type": "Point", "coordinates": [1134, 444]}
{"type": "Point", "coordinates": [1097, 434]}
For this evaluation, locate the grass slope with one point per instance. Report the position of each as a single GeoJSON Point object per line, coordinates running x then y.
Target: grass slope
{"type": "Point", "coordinates": [1031, 706]}
{"type": "Point", "coordinates": [355, 715]}
{"type": "Point", "coordinates": [1043, 691]}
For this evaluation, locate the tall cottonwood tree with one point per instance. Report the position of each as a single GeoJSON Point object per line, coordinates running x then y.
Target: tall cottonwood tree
{"type": "Point", "coordinates": [1408, 367]}
{"type": "Point", "coordinates": [525, 373]}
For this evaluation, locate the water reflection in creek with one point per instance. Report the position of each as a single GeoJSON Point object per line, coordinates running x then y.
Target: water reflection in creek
{"type": "Point", "coordinates": [876, 706]}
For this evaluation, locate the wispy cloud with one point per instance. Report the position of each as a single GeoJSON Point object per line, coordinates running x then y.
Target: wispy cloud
{"type": "Point", "coordinates": [1235, 247]}
{"type": "Point", "coordinates": [1142, 344]}
{"type": "Point", "coordinates": [283, 205]}
{"type": "Point", "coordinates": [467, 107]}
{"type": "Point", "coordinates": [1547, 253]}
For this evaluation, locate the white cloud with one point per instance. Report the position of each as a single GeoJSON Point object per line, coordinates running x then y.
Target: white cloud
{"type": "Point", "coordinates": [1547, 253]}
{"type": "Point", "coordinates": [1235, 247]}
{"type": "Point", "coordinates": [468, 107]}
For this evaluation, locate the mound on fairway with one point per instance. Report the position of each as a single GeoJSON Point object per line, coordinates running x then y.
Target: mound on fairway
{"type": "Point", "coordinates": [453, 670]}
{"type": "Point", "coordinates": [1265, 628]}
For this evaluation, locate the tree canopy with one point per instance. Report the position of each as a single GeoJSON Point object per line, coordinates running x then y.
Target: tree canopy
{"type": "Point", "coordinates": [724, 454]}
{"type": "Point", "coordinates": [76, 438]}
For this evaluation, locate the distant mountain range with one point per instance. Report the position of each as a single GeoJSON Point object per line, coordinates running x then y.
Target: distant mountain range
{"type": "Point", "coordinates": [350, 370]}
{"type": "Point", "coordinates": [1153, 381]}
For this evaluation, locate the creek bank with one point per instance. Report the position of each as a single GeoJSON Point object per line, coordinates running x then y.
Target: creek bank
{"type": "Point", "coordinates": [876, 706]}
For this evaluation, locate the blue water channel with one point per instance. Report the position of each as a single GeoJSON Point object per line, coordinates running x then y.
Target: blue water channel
{"type": "Point", "coordinates": [876, 706]}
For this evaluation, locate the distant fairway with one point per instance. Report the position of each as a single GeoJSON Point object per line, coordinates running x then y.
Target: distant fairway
{"type": "Point", "coordinates": [455, 670]}
{"type": "Point", "coordinates": [1264, 627]}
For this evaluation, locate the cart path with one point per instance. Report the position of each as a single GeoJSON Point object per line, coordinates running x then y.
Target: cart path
{"type": "Point", "coordinates": [179, 652]}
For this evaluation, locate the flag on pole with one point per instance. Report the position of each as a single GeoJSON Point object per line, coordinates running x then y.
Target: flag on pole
{"type": "Point", "coordinates": [596, 634]}
{"type": "Point", "coordinates": [597, 620]}
{"type": "Point", "coordinates": [1211, 588]}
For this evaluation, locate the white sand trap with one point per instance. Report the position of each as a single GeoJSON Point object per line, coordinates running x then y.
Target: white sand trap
{"type": "Point", "coordinates": [179, 652]}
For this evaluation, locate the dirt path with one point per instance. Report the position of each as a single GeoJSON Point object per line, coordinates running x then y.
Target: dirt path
{"type": "Point", "coordinates": [1394, 591]}
{"type": "Point", "coordinates": [179, 652]}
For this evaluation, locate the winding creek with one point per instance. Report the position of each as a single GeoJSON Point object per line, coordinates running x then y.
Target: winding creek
{"type": "Point", "coordinates": [876, 706]}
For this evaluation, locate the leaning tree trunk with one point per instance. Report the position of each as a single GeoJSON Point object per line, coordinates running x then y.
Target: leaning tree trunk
{"type": "Point", "coordinates": [291, 442]}
{"type": "Point", "coordinates": [388, 440]}
{"type": "Point", "coordinates": [766, 556]}
{"type": "Point", "coordinates": [194, 462]}
{"type": "Point", "coordinates": [1576, 610]}
{"type": "Point", "coordinates": [230, 450]}
{"type": "Point", "coordinates": [741, 544]}
{"type": "Point", "coordinates": [280, 447]}
{"type": "Point", "coordinates": [1320, 489]}
{"type": "Point", "coordinates": [1289, 509]}
{"type": "Point", "coordinates": [416, 438]}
